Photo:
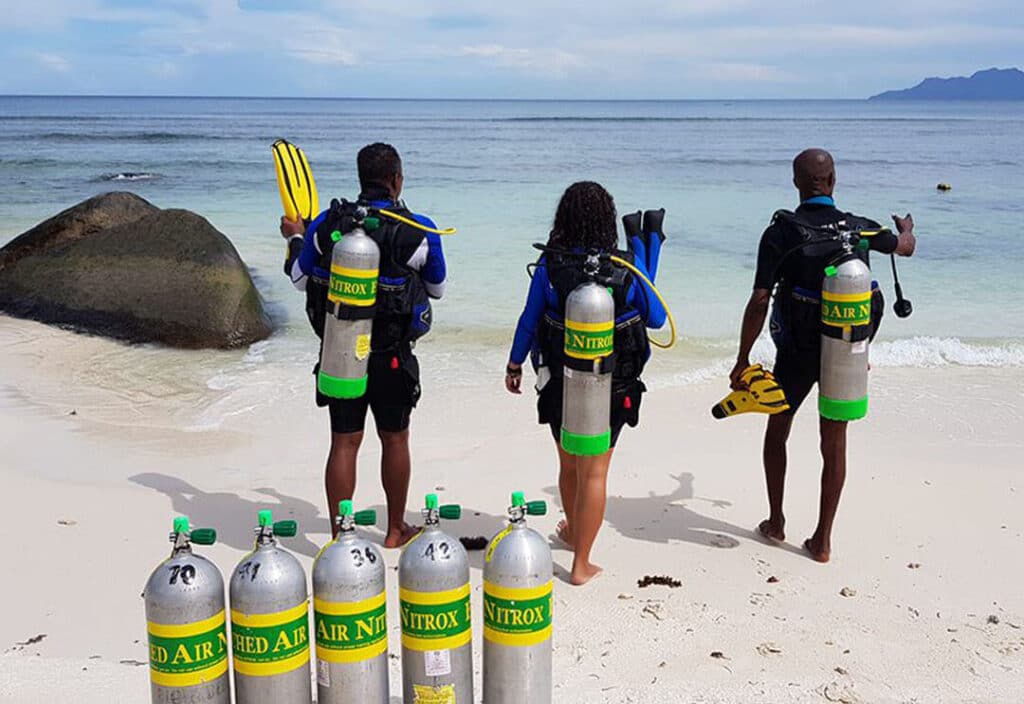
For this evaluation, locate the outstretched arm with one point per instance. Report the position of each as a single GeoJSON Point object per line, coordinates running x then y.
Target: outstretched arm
{"type": "Point", "coordinates": [906, 241]}
{"type": "Point", "coordinates": [753, 322]}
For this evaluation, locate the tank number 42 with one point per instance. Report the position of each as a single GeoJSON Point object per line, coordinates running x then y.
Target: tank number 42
{"type": "Point", "coordinates": [437, 551]}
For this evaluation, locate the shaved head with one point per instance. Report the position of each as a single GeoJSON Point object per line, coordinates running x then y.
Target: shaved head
{"type": "Point", "coordinates": [814, 173]}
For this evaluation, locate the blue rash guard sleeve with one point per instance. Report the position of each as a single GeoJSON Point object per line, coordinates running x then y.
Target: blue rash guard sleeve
{"type": "Point", "coordinates": [642, 298]}
{"type": "Point", "coordinates": [435, 270]}
{"type": "Point", "coordinates": [529, 320]}
{"type": "Point", "coordinates": [300, 265]}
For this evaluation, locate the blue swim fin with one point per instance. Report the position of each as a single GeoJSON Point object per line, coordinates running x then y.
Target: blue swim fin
{"type": "Point", "coordinates": [652, 234]}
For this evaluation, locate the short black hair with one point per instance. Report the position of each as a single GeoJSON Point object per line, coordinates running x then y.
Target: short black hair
{"type": "Point", "coordinates": [378, 163]}
{"type": "Point", "coordinates": [585, 219]}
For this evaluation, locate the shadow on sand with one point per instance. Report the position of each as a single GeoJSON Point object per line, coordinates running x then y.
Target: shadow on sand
{"type": "Point", "coordinates": [235, 517]}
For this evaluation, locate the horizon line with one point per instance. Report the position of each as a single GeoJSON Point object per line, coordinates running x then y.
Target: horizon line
{"type": "Point", "coordinates": [423, 100]}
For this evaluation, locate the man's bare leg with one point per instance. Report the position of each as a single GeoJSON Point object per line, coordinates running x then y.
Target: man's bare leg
{"type": "Point", "coordinates": [340, 475]}
{"type": "Point", "coordinates": [567, 491]}
{"type": "Point", "coordinates": [774, 456]}
{"type": "Point", "coordinates": [395, 470]}
{"type": "Point", "coordinates": [833, 476]}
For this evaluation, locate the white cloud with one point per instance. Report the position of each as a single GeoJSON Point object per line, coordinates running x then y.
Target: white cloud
{"type": "Point", "coordinates": [53, 62]}
{"type": "Point", "coordinates": [745, 73]}
{"type": "Point", "coordinates": [554, 62]}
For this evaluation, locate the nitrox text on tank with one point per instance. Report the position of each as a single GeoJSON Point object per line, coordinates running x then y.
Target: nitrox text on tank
{"type": "Point", "coordinates": [270, 621]}
{"type": "Point", "coordinates": [517, 610]}
{"type": "Point", "coordinates": [349, 615]}
{"type": "Point", "coordinates": [185, 622]}
{"type": "Point", "coordinates": [351, 306]}
{"type": "Point", "coordinates": [437, 646]}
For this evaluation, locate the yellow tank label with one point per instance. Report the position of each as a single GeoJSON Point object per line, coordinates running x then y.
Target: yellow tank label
{"type": "Point", "coordinates": [435, 620]}
{"type": "Point", "coordinates": [187, 654]}
{"type": "Point", "coordinates": [517, 616]}
{"type": "Point", "coordinates": [362, 347]}
{"type": "Point", "coordinates": [589, 340]}
{"type": "Point", "coordinates": [845, 309]}
{"type": "Point", "coordinates": [353, 287]}
{"type": "Point", "coordinates": [350, 631]}
{"type": "Point", "coordinates": [270, 644]}
{"type": "Point", "coordinates": [425, 694]}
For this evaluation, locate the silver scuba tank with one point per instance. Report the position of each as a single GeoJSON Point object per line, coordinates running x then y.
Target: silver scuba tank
{"type": "Point", "coordinates": [188, 645]}
{"type": "Point", "coordinates": [270, 621]}
{"type": "Point", "coordinates": [587, 372]}
{"type": "Point", "coordinates": [437, 642]}
{"type": "Point", "coordinates": [351, 305]}
{"type": "Point", "coordinates": [846, 328]}
{"type": "Point", "coordinates": [517, 611]}
{"type": "Point", "coordinates": [349, 616]}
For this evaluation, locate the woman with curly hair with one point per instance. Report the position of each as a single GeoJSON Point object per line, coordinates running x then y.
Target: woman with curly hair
{"type": "Point", "coordinates": [584, 223]}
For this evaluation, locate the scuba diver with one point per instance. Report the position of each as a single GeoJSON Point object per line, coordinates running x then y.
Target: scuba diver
{"type": "Point", "coordinates": [412, 271]}
{"type": "Point", "coordinates": [794, 252]}
{"type": "Point", "coordinates": [585, 225]}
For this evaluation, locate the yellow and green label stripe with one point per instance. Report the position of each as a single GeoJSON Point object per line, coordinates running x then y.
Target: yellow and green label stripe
{"type": "Point", "coordinates": [270, 644]}
{"type": "Point", "coordinates": [517, 616]}
{"type": "Point", "coordinates": [845, 309]}
{"type": "Point", "coordinates": [589, 340]}
{"type": "Point", "coordinates": [187, 654]}
{"type": "Point", "coordinates": [435, 620]}
{"type": "Point", "coordinates": [350, 631]}
{"type": "Point", "coordinates": [353, 287]}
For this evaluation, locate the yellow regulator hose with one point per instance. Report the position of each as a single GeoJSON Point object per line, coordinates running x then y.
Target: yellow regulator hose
{"type": "Point", "coordinates": [413, 223]}
{"type": "Point", "coordinates": [668, 313]}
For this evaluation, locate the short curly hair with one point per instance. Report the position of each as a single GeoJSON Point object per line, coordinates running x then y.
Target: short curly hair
{"type": "Point", "coordinates": [585, 219]}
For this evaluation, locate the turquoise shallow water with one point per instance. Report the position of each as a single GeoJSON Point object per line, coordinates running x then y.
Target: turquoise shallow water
{"type": "Point", "coordinates": [495, 169]}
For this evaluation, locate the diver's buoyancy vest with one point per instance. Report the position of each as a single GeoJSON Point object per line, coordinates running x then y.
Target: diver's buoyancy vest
{"type": "Point", "coordinates": [796, 315]}
{"type": "Point", "coordinates": [631, 346]}
{"type": "Point", "coordinates": [403, 306]}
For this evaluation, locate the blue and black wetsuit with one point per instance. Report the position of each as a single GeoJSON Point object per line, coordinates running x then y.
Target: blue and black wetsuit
{"type": "Point", "coordinates": [790, 258]}
{"type": "Point", "coordinates": [412, 271]}
{"type": "Point", "coordinates": [540, 335]}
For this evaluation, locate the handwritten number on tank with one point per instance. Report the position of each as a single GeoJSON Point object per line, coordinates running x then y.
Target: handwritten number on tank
{"type": "Point", "coordinates": [359, 560]}
{"type": "Point", "coordinates": [441, 552]}
{"type": "Point", "coordinates": [250, 569]}
{"type": "Point", "coordinates": [186, 572]}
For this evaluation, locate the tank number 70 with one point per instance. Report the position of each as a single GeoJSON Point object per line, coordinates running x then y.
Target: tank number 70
{"type": "Point", "coordinates": [186, 572]}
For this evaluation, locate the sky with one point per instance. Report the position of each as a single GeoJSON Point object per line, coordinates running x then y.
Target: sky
{"type": "Point", "coordinates": [601, 49]}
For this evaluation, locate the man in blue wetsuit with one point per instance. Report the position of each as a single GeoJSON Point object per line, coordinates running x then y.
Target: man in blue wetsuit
{"type": "Point", "coordinates": [412, 271]}
{"type": "Point", "coordinates": [790, 261]}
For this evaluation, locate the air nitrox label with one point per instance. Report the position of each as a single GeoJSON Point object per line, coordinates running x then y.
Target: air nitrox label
{"type": "Point", "coordinates": [353, 287]}
{"type": "Point", "coordinates": [845, 309]}
{"type": "Point", "coordinates": [589, 340]}
{"type": "Point", "coordinates": [270, 644]}
{"type": "Point", "coordinates": [435, 620]}
{"type": "Point", "coordinates": [187, 654]}
{"type": "Point", "coordinates": [517, 616]}
{"type": "Point", "coordinates": [350, 631]}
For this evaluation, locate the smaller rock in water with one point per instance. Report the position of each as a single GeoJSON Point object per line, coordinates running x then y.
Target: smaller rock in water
{"type": "Point", "coordinates": [663, 580]}
{"type": "Point", "coordinates": [944, 187]}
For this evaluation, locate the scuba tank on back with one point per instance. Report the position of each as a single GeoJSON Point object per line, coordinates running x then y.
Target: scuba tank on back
{"type": "Point", "coordinates": [270, 621]}
{"type": "Point", "coordinates": [437, 644]}
{"type": "Point", "coordinates": [188, 647]}
{"type": "Point", "coordinates": [351, 306]}
{"type": "Point", "coordinates": [349, 616]}
{"type": "Point", "coordinates": [517, 611]}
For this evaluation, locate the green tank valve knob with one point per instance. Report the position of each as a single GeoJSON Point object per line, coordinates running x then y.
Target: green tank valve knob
{"type": "Point", "coordinates": [450, 512]}
{"type": "Point", "coordinates": [518, 499]}
{"type": "Point", "coordinates": [265, 518]}
{"type": "Point", "coordinates": [203, 536]}
{"type": "Point", "coordinates": [537, 508]}
{"type": "Point", "coordinates": [286, 529]}
{"type": "Point", "coordinates": [181, 524]}
{"type": "Point", "coordinates": [431, 502]}
{"type": "Point", "coordinates": [336, 235]}
{"type": "Point", "coordinates": [831, 271]}
{"type": "Point", "coordinates": [345, 507]}
{"type": "Point", "coordinates": [371, 224]}
{"type": "Point", "coordinates": [863, 245]}
{"type": "Point", "coordinates": [367, 517]}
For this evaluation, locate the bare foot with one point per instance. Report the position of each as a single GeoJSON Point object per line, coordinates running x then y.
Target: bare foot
{"type": "Point", "coordinates": [583, 573]}
{"type": "Point", "coordinates": [398, 538]}
{"type": "Point", "coordinates": [563, 533]}
{"type": "Point", "coordinates": [816, 552]}
{"type": "Point", "coordinates": [771, 531]}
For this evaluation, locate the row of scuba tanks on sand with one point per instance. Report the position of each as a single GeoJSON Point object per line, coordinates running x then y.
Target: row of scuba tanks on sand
{"type": "Point", "coordinates": [270, 639]}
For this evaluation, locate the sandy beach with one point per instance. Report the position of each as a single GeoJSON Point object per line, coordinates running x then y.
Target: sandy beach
{"type": "Point", "coordinates": [922, 601]}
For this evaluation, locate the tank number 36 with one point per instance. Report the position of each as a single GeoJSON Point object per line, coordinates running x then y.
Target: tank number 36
{"type": "Point", "coordinates": [361, 557]}
{"type": "Point", "coordinates": [437, 551]}
{"type": "Point", "coordinates": [184, 572]}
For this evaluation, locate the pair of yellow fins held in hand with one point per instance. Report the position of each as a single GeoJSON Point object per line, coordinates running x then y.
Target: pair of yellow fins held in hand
{"type": "Point", "coordinates": [760, 394]}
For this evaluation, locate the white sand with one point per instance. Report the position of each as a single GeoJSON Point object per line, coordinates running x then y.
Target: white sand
{"type": "Point", "coordinates": [935, 480]}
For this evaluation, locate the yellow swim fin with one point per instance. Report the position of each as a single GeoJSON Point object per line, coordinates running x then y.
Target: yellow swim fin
{"type": "Point", "coordinates": [762, 394]}
{"type": "Point", "coordinates": [295, 182]}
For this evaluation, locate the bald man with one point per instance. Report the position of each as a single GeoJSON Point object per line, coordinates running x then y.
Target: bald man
{"type": "Point", "coordinates": [789, 262]}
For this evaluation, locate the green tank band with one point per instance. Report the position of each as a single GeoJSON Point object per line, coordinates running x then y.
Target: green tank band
{"type": "Point", "coordinates": [270, 644]}
{"type": "Point", "coordinates": [336, 387]}
{"type": "Point", "coordinates": [586, 445]}
{"type": "Point", "coordinates": [837, 409]}
{"type": "Point", "coordinates": [350, 635]}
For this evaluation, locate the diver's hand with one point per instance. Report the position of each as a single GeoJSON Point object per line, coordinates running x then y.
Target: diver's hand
{"type": "Point", "coordinates": [514, 378]}
{"type": "Point", "coordinates": [737, 371]}
{"type": "Point", "coordinates": [907, 240]}
{"type": "Point", "coordinates": [904, 224]}
{"type": "Point", "coordinates": [290, 228]}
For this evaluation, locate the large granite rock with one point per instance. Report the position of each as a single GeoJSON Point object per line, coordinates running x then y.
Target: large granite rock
{"type": "Point", "coordinates": [116, 265]}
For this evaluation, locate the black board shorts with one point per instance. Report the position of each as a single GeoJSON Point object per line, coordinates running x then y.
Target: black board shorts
{"type": "Point", "coordinates": [797, 372]}
{"type": "Point", "coordinates": [392, 391]}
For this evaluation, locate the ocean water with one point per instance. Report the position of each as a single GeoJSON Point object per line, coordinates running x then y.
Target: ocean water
{"type": "Point", "coordinates": [495, 170]}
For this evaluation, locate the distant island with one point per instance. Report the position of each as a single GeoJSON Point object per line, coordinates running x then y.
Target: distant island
{"type": "Point", "coordinates": [992, 84]}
